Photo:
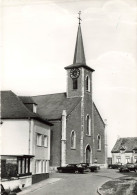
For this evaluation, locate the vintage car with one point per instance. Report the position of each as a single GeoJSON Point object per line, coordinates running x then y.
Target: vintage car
{"type": "Point", "coordinates": [90, 167]}
{"type": "Point", "coordinates": [128, 167]}
{"type": "Point", "coordinates": [114, 166]}
{"type": "Point", "coordinates": [71, 168]}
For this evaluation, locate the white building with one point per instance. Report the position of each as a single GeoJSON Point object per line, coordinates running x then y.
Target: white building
{"type": "Point", "coordinates": [125, 150]}
{"type": "Point", "coordinates": [25, 143]}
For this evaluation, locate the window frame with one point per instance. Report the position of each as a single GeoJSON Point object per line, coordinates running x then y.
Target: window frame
{"type": "Point", "coordinates": [73, 133]}
{"type": "Point", "coordinates": [127, 158]}
{"type": "Point", "coordinates": [38, 164]}
{"type": "Point", "coordinates": [99, 142]}
{"type": "Point", "coordinates": [88, 84]}
{"type": "Point", "coordinates": [88, 123]}
{"type": "Point", "coordinates": [75, 84]}
{"type": "Point", "coordinates": [45, 141]}
{"type": "Point", "coordinates": [38, 139]}
{"type": "Point", "coordinates": [118, 159]}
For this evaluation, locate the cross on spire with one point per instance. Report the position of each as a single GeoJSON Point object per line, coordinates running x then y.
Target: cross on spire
{"type": "Point", "coordinates": [79, 17]}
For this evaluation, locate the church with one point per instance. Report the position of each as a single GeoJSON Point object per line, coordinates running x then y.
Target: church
{"type": "Point", "coordinates": [78, 131]}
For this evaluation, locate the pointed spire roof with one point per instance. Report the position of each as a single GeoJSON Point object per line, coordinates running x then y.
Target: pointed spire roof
{"type": "Point", "coordinates": [79, 54]}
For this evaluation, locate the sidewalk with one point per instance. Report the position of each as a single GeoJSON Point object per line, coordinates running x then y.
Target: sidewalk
{"type": "Point", "coordinates": [38, 185]}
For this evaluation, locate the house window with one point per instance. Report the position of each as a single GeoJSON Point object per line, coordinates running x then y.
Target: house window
{"type": "Point", "coordinates": [127, 159]}
{"type": "Point", "coordinates": [23, 165]}
{"type": "Point", "coordinates": [135, 159]}
{"type": "Point", "coordinates": [88, 125]}
{"type": "Point", "coordinates": [87, 84]}
{"type": "Point", "coordinates": [39, 139]}
{"type": "Point", "coordinates": [99, 142]}
{"type": "Point", "coordinates": [75, 83]}
{"type": "Point", "coordinates": [43, 166]}
{"type": "Point", "coordinates": [38, 166]}
{"type": "Point", "coordinates": [45, 141]}
{"type": "Point", "coordinates": [118, 159]}
{"type": "Point", "coordinates": [73, 140]}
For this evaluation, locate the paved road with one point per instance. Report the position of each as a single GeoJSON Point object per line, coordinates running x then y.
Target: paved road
{"type": "Point", "coordinates": [75, 184]}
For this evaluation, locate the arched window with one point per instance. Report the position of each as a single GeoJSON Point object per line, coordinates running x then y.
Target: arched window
{"type": "Point", "coordinates": [87, 83]}
{"type": "Point", "coordinates": [99, 142]}
{"type": "Point", "coordinates": [88, 125]}
{"type": "Point", "coordinates": [73, 139]}
{"type": "Point", "coordinates": [75, 83]}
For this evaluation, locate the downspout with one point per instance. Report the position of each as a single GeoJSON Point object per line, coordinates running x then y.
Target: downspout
{"type": "Point", "coordinates": [31, 142]}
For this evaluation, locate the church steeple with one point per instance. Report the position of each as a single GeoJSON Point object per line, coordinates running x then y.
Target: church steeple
{"type": "Point", "coordinates": [79, 75]}
{"type": "Point", "coordinates": [79, 55]}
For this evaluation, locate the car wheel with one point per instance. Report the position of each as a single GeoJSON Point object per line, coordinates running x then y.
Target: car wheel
{"type": "Point", "coordinates": [60, 171]}
{"type": "Point", "coordinates": [76, 172]}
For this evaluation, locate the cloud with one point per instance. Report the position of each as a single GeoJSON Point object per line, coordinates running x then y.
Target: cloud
{"type": "Point", "coordinates": [113, 13]}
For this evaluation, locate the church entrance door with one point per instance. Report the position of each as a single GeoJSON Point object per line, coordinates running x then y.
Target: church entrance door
{"type": "Point", "coordinates": [88, 152]}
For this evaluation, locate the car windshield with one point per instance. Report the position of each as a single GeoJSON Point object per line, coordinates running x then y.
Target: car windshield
{"type": "Point", "coordinates": [71, 165]}
{"type": "Point", "coordinates": [79, 165]}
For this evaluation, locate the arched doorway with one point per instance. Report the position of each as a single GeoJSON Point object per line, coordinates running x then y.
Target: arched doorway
{"type": "Point", "coordinates": [88, 154]}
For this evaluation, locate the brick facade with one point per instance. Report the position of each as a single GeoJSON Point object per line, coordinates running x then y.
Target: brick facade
{"type": "Point", "coordinates": [55, 156]}
{"type": "Point", "coordinates": [83, 120]}
{"type": "Point", "coordinates": [99, 129]}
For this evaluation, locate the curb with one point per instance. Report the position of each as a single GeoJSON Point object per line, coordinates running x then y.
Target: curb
{"type": "Point", "coordinates": [98, 191]}
{"type": "Point", "coordinates": [38, 186]}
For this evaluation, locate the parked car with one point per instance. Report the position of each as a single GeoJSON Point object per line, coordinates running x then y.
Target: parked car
{"type": "Point", "coordinates": [115, 166]}
{"type": "Point", "coordinates": [90, 167]}
{"type": "Point", "coordinates": [128, 167]}
{"type": "Point", "coordinates": [71, 168]}
{"type": "Point", "coordinates": [94, 168]}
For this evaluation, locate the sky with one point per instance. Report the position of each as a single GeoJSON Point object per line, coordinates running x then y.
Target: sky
{"type": "Point", "coordinates": [38, 40]}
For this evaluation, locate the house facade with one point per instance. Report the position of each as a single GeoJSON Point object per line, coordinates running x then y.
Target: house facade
{"type": "Point", "coordinates": [78, 133]}
{"type": "Point", "coordinates": [125, 150]}
{"type": "Point", "coordinates": [25, 143]}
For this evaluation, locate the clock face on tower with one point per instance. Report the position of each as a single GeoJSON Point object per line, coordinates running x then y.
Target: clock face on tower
{"type": "Point", "coordinates": [74, 73]}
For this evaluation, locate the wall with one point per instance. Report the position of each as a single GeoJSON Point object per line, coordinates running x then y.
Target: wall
{"type": "Point", "coordinates": [39, 177]}
{"type": "Point", "coordinates": [88, 139]}
{"type": "Point", "coordinates": [74, 123]}
{"type": "Point", "coordinates": [123, 157]}
{"type": "Point", "coordinates": [55, 158]}
{"type": "Point", "coordinates": [15, 137]}
{"type": "Point", "coordinates": [70, 91]}
{"type": "Point", "coordinates": [99, 129]}
{"type": "Point", "coordinates": [40, 152]}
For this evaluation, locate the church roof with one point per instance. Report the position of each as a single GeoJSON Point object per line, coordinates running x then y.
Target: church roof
{"type": "Point", "coordinates": [51, 106]}
{"type": "Point", "coordinates": [13, 108]}
{"type": "Point", "coordinates": [129, 143]}
{"type": "Point", "coordinates": [27, 100]}
{"type": "Point", "coordinates": [79, 54]}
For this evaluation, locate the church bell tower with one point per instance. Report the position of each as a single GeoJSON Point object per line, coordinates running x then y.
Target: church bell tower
{"type": "Point", "coordinates": [79, 75]}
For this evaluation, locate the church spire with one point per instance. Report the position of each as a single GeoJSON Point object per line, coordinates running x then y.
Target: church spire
{"type": "Point", "coordinates": [79, 55]}
{"type": "Point", "coordinates": [79, 59]}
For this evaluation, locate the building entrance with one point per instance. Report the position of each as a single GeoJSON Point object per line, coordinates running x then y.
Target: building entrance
{"type": "Point", "coordinates": [88, 154]}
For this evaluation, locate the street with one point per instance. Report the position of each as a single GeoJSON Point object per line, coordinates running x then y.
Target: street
{"type": "Point", "coordinates": [75, 184]}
